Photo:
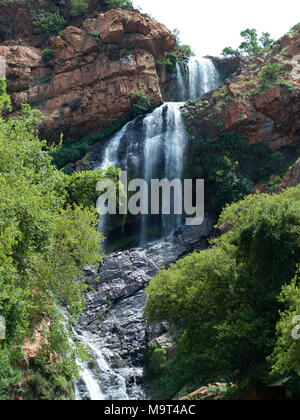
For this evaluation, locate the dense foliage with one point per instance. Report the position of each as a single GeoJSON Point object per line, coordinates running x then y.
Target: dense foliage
{"type": "Point", "coordinates": [119, 4]}
{"type": "Point", "coordinates": [226, 300]}
{"type": "Point", "coordinates": [47, 236]}
{"type": "Point", "coordinates": [79, 7]}
{"type": "Point", "coordinates": [45, 21]}
{"type": "Point", "coordinates": [231, 167]}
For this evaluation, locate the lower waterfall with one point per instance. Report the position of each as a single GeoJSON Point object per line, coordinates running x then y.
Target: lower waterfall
{"type": "Point", "coordinates": [113, 326]}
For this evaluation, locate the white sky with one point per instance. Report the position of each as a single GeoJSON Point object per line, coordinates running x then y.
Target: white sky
{"type": "Point", "coordinates": [210, 25]}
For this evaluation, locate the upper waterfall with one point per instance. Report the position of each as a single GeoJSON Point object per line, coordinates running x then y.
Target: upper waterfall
{"type": "Point", "coordinates": [196, 78]}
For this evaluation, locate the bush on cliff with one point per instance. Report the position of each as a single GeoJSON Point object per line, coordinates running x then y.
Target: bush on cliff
{"type": "Point", "coordinates": [223, 164]}
{"type": "Point", "coordinates": [119, 4]}
{"type": "Point", "coordinates": [225, 300]}
{"type": "Point", "coordinates": [270, 74]}
{"type": "Point", "coordinates": [182, 48]}
{"type": "Point", "coordinates": [45, 21]}
{"type": "Point", "coordinates": [78, 7]}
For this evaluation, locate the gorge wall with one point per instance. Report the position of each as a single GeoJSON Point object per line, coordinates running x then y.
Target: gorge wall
{"type": "Point", "coordinates": [95, 71]}
{"type": "Point", "coordinates": [262, 102]}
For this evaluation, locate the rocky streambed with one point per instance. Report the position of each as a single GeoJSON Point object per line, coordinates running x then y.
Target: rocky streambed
{"type": "Point", "coordinates": [113, 324]}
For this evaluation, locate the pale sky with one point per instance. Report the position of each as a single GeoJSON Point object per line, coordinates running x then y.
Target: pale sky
{"type": "Point", "coordinates": [210, 25]}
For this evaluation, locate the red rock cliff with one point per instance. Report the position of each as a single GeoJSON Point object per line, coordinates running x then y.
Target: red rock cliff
{"type": "Point", "coordinates": [96, 69]}
{"type": "Point", "coordinates": [262, 114]}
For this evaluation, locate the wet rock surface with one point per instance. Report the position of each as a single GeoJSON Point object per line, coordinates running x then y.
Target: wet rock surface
{"type": "Point", "coordinates": [114, 318]}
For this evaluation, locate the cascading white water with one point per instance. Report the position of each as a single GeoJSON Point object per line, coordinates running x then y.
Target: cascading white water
{"type": "Point", "coordinates": [182, 79]}
{"type": "Point", "coordinates": [196, 78]}
{"type": "Point", "coordinates": [155, 149]}
{"type": "Point", "coordinates": [165, 137]}
{"type": "Point", "coordinates": [203, 77]}
{"type": "Point", "coordinates": [104, 384]}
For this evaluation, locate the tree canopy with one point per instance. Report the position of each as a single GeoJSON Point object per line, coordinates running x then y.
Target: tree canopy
{"type": "Point", "coordinates": [226, 300]}
{"type": "Point", "coordinates": [48, 234]}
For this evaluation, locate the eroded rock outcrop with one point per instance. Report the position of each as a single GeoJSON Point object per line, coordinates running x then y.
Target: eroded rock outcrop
{"type": "Point", "coordinates": [292, 178]}
{"type": "Point", "coordinates": [229, 66]}
{"type": "Point", "coordinates": [262, 114]}
{"type": "Point", "coordinates": [95, 73]}
{"type": "Point", "coordinates": [114, 314]}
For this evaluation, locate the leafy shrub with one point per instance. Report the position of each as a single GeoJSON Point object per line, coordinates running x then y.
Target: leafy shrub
{"type": "Point", "coordinates": [4, 98]}
{"type": "Point", "coordinates": [78, 7]}
{"type": "Point", "coordinates": [142, 106]}
{"type": "Point", "coordinates": [271, 73]}
{"type": "Point", "coordinates": [47, 54]}
{"type": "Point", "coordinates": [179, 47]}
{"type": "Point", "coordinates": [119, 4]}
{"type": "Point", "coordinates": [273, 164]}
{"type": "Point", "coordinates": [295, 28]}
{"type": "Point", "coordinates": [187, 50]}
{"type": "Point", "coordinates": [223, 165]}
{"type": "Point", "coordinates": [9, 375]}
{"type": "Point", "coordinates": [95, 34]}
{"type": "Point", "coordinates": [70, 153]}
{"type": "Point", "coordinates": [170, 62]}
{"type": "Point", "coordinates": [156, 361]}
{"type": "Point", "coordinates": [44, 21]}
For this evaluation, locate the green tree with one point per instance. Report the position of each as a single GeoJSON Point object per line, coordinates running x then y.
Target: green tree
{"type": "Point", "coordinates": [48, 234]}
{"type": "Point", "coordinates": [79, 7]}
{"type": "Point", "coordinates": [119, 4]}
{"type": "Point", "coordinates": [285, 359]}
{"type": "Point", "coordinates": [224, 300]}
{"type": "Point", "coordinates": [49, 22]}
{"type": "Point", "coordinates": [252, 44]}
{"type": "Point", "coordinates": [271, 73]}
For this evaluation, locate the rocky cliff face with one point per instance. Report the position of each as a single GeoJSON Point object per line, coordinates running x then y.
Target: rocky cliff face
{"type": "Point", "coordinates": [114, 313]}
{"type": "Point", "coordinates": [292, 178]}
{"type": "Point", "coordinates": [95, 72]}
{"type": "Point", "coordinates": [262, 104]}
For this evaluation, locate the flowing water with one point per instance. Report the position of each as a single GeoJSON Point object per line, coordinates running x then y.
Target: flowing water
{"type": "Point", "coordinates": [195, 79]}
{"type": "Point", "coordinates": [148, 148]}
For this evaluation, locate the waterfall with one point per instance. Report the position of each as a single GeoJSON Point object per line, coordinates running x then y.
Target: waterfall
{"type": "Point", "coordinates": [113, 385]}
{"type": "Point", "coordinates": [182, 81]}
{"type": "Point", "coordinates": [150, 147]}
{"type": "Point", "coordinates": [196, 78]}
{"type": "Point", "coordinates": [203, 77]}
{"type": "Point", "coordinates": [165, 140]}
